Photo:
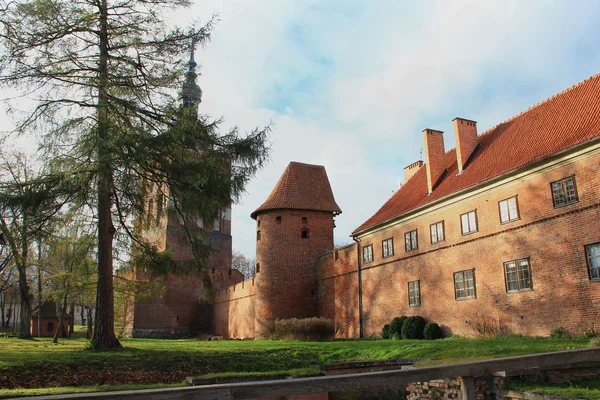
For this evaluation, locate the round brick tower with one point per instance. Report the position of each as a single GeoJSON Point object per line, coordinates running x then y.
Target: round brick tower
{"type": "Point", "coordinates": [293, 226]}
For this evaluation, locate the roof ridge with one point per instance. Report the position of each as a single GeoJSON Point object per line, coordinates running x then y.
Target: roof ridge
{"type": "Point", "coordinates": [562, 92]}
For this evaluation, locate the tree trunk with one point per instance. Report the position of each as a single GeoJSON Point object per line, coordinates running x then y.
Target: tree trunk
{"type": "Point", "coordinates": [9, 314]}
{"type": "Point", "coordinates": [88, 334]}
{"type": "Point", "coordinates": [104, 330]}
{"type": "Point", "coordinates": [72, 320]}
{"type": "Point", "coordinates": [26, 300]}
{"type": "Point", "coordinates": [2, 316]}
{"type": "Point", "coordinates": [39, 332]}
{"type": "Point", "coordinates": [82, 315]}
{"type": "Point", "coordinates": [61, 316]}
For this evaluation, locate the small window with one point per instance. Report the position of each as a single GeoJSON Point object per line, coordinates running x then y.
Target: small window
{"type": "Point", "coordinates": [336, 255]}
{"type": "Point", "coordinates": [518, 275]}
{"type": "Point", "coordinates": [414, 293]}
{"type": "Point", "coordinates": [437, 232]}
{"type": "Point", "coordinates": [278, 220]}
{"type": "Point", "coordinates": [411, 241]}
{"type": "Point", "coordinates": [464, 284]}
{"type": "Point", "coordinates": [564, 192]}
{"type": "Point", "coordinates": [388, 247]}
{"type": "Point", "coordinates": [50, 327]}
{"type": "Point", "coordinates": [592, 252]}
{"type": "Point", "coordinates": [258, 222]}
{"type": "Point", "coordinates": [509, 210]}
{"type": "Point", "coordinates": [304, 234]}
{"type": "Point", "coordinates": [304, 220]}
{"type": "Point", "coordinates": [368, 253]}
{"type": "Point", "coordinates": [257, 268]}
{"type": "Point", "coordinates": [257, 235]}
{"type": "Point", "coordinates": [468, 222]}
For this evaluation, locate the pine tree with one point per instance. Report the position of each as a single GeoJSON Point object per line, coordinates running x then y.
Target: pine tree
{"type": "Point", "coordinates": [101, 75]}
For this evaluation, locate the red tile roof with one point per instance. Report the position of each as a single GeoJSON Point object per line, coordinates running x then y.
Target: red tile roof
{"type": "Point", "coordinates": [565, 120]}
{"type": "Point", "coordinates": [301, 187]}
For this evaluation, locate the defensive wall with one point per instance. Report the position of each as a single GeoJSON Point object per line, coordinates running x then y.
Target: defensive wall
{"type": "Point", "coordinates": [234, 310]}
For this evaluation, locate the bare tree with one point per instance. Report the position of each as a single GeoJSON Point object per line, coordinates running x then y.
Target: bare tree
{"type": "Point", "coordinates": [244, 264]}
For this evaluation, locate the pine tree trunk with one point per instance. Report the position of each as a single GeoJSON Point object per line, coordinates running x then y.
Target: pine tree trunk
{"type": "Point", "coordinates": [104, 330]}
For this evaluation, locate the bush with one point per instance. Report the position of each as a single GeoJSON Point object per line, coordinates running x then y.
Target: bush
{"type": "Point", "coordinates": [559, 333]}
{"type": "Point", "coordinates": [432, 331]}
{"type": "Point", "coordinates": [488, 327]}
{"type": "Point", "coordinates": [306, 329]}
{"type": "Point", "coordinates": [385, 332]}
{"type": "Point", "coordinates": [396, 336]}
{"type": "Point", "coordinates": [413, 327]}
{"type": "Point", "coordinates": [396, 325]}
{"type": "Point", "coordinates": [595, 342]}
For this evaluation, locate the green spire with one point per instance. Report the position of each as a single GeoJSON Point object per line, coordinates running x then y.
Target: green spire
{"type": "Point", "coordinates": [191, 94]}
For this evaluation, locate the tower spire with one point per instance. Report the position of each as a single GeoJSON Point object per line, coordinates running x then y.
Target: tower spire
{"type": "Point", "coordinates": [191, 94]}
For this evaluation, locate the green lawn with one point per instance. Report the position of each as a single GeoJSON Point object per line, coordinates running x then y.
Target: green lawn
{"type": "Point", "coordinates": [39, 363]}
{"type": "Point", "coordinates": [586, 389]}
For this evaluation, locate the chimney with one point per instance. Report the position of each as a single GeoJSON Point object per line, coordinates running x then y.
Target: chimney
{"type": "Point", "coordinates": [465, 135]}
{"type": "Point", "coordinates": [434, 156]}
{"type": "Point", "coordinates": [412, 169]}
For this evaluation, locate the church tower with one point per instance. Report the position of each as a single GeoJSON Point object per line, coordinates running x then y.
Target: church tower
{"type": "Point", "coordinates": [293, 226]}
{"type": "Point", "coordinates": [181, 309]}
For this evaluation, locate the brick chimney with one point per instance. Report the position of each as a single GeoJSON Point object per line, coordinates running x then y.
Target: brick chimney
{"type": "Point", "coordinates": [465, 135]}
{"type": "Point", "coordinates": [434, 156]}
{"type": "Point", "coordinates": [412, 169]}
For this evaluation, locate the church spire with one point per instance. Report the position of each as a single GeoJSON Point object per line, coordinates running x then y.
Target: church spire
{"type": "Point", "coordinates": [191, 94]}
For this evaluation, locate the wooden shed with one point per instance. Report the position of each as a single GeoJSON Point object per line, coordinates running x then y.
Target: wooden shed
{"type": "Point", "coordinates": [50, 321]}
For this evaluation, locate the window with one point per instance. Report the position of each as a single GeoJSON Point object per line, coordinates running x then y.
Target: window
{"type": "Point", "coordinates": [304, 234]}
{"type": "Point", "coordinates": [518, 275]}
{"type": "Point", "coordinates": [368, 253]}
{"type": "Point", "coordinates": [50, 327]}
{"type": "Point", "coordinates": [468, 222]}
{"type": "Point", "coordinates": [258, 222]}
{"type": "Point", "coordinates": [257, 235]}
{"type": "Point", "coordinates": [592, 252]}
{"type": "Point", "coordinates": [304, 220]}
{"type": "Point", "coordinates": [257, 268]}
{"type": "Point", "coordinates": [464, 284]}
{"type": "Point", "coordinates": [278, 220]}
{"type": "Point", "coordinates": [509, 210]}
{"type": "Point", "coordinates": [564, 192]}
{"type": "Point", "coordinates": [388, 247]}
{"type": "Point", "coordinates": [414, 293]}
{"type": "Point", "coordinates": [410, 240]}
{"type": "Point", "coordinates": [437, 232]}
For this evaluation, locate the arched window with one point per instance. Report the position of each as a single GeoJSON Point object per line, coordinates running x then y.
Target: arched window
{"type": "Point", "coordinates": [304, 220]}
{"type": "Point", "coordinates": [257, 268]}
{"type": "Point", "coordinates": [278, 220]}
{"type": "Point", "coordinates": [257, 235]}
{"type": "Point", "coordinates": [304, 233]}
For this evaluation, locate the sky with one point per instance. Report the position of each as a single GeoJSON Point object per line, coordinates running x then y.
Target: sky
{"type": "Point", "coordinates": [351, 84]}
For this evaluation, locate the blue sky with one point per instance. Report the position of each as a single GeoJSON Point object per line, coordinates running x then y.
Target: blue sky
{"type": "Point", "coordinates": [351, 84]}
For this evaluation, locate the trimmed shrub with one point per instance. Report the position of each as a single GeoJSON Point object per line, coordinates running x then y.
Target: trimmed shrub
{"type": "Point", "coordinates": [432, 331]}
{"type": "Point", "coordinates": [385, 332]}
{"type": "Point", "coordinates": [413, 327]}
{"type": "Point", "coordinates": [306, 329]}
{"type": "Point", "coordinates": [396, 336]}
{"type": "Point", "coordinates": [396, 325]}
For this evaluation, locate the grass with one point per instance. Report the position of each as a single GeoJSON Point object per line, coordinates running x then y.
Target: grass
{"type": "Point", "coordinates": [40, 363]}
{"type": "Point", "coordinates": [585, 389]}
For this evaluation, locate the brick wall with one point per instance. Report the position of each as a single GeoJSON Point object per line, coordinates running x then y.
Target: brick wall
{"type": "Point", "coordinates": [234, 311]}
{"type": "Point", "coordinates": [338, 290]}
{"type": "Point", "coordinates": [552, 239]}
{"type": "Point", "coordinates": [286, 277]}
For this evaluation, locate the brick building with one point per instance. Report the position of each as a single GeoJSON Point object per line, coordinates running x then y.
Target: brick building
{"type": "Point", "coordinates": [504, 227]}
